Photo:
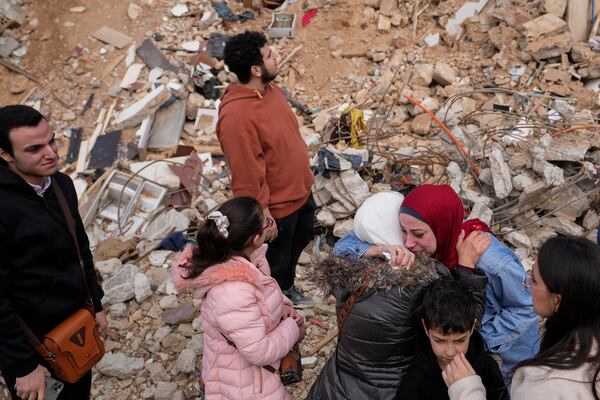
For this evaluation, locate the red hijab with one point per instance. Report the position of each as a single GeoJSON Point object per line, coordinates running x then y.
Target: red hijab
{"type": "Point", "coordinates": [441, 208]}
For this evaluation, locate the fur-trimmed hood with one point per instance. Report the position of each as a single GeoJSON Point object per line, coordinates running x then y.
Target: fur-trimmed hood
{"type": "Point", "coordinates": [236, 269]}
{"type": "Point", "coordinates": [345, 273]}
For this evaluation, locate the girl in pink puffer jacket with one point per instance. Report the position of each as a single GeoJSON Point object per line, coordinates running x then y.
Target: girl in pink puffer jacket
{"type": "Point", "coordinates": [248, 323]}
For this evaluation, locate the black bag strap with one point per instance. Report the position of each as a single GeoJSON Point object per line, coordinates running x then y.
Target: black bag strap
{"type": "Point", "coordinates": [71, 225]}
{"type": "Point", "coordinates": [230, 342]}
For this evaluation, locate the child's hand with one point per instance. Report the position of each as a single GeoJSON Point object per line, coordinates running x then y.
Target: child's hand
{"type": "Point", "coordinates": [469, 249]}
{"type": "Point", "coordinates": [459, 368]}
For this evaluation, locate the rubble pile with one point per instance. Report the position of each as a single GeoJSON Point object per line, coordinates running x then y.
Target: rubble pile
{"type": "Point", "coordinates": [498, 99]}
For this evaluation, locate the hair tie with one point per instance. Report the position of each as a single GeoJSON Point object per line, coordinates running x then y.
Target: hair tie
{"type": "Point", "coordinates": [221, 221]}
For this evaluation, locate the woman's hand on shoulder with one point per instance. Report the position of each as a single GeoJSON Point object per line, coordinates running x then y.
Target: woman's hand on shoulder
{"type": "Point", "coordinates": [469, 249]}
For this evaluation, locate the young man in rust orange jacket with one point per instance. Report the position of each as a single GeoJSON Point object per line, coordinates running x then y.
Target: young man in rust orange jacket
{"type": "Point", "coordinates": [260, 136]}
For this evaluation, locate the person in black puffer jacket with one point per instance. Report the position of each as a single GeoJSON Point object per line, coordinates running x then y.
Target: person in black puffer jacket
{"type": "Point", "coordinates": [377, 340]}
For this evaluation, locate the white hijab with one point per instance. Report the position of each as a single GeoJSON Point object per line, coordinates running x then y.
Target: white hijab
{"type": "Point", "coordinates": [377, 221]}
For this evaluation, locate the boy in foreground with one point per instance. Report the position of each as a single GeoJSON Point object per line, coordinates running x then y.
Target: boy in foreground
{"type": "Point", "coordinates": [449, 319]}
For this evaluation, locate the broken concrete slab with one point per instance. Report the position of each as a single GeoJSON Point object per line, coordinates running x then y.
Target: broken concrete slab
{"type": "Point", "coordinates": [500, 174]}
{"type": "Point", "coordinates": [111, 36]}
{"type": "Point", "coordinates": [168, 125]}
{"type": "Point", "coordinates": [141, 109]}
{"type": "Point", "coordinates": [384, 24]}
{"type": "Point", "coordinates": [454, 25]}
{"type": "Point", "coordinates": [548, 47]}
{"type": "Point", "coordinates": [388, 7]}
{"type": "Point", "coordinates": [131, 76]}
{"type": "Point", "coordinates": [165, 224]}
{"type": "Point", "coordinates": [349, 189]}
{"type": "Point", "coordinates": [153, 57]}
{"type": "Point", "coordinates": [119, 287]}
{"type": "Point", "coordinates": [561, 225]}
{"type": "Point", "coordinates": [545, 25]}
{"type": "Point", "coordinates": [553, 175]}
{"type": "Point", "coordinates": [556, 7]}
{"type": "Point", "coordinates": [566, 196]}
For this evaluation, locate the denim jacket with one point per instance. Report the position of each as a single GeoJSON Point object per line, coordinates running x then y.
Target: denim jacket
{"type": "Point", "coordinates": [509, 326]}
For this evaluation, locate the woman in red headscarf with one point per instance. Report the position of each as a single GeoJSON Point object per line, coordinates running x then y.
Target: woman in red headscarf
{"type": "Point", "coordinates": [431, 220]}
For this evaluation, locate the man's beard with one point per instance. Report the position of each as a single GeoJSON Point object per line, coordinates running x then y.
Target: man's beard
{"type": "Point", "coordinates": [266, 77]}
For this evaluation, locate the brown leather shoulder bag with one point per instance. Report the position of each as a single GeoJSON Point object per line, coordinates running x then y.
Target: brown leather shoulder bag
{"type": "Point", "coordinates": [72, 348]}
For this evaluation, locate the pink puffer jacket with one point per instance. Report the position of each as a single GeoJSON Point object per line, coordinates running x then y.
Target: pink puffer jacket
{"type": "Point", "coordinates": [241, 301]}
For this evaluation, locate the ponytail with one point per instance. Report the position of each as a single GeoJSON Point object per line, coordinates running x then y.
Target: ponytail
{"type": "Point", "coordinates": [218, 241]}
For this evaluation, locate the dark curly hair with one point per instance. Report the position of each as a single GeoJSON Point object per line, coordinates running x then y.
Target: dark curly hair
{"type": "Point", "coordinates": [448, 305]}
{"type": "Point", "coordinates": [242, 52]}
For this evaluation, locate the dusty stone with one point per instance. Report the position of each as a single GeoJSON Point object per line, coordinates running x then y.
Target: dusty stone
{"type": "Point", "coordinates": [325, 217]}
{"type": "Point", "coordinates": [481, 211]}
{"type": "Point", "coordinates": [165, 390]}
{"type": "Point", "coordinates": [548, 47]}
{"type": "Point", "coordinates": [443, 73]}
{"type": "Point", "coordinates": [141, 287]}
{"type": "Point", "coordinates": [179, 314]}
{"type": "Point", "coordinates": [423, 75]}
{"type": "Point", "coordinates": [547, 24]}
{"type": "Point", "coordinates": [335, 42]}
{"type": "Point", "coordinates": [343, 227]}
{"type": "Point", "coordinates": [388, 7]}
{"type": "Point", "coordinates": [518, 239]}
{"type": "Point", "coordinates": [169, 301]}
{"type": "Point", "coordinates": [500, 174]}
{"type": "Point", "coordinates": [134, 11]}
{"type": "Point", "coordinates": [186, 361]}
{"type": "Point", "coordinates": [173, 342]}
{"type": "Point", "coordinates": [522, 181]}
{"type": "Point", "coordinates": [563, 226]}
{"type": "Point", "coordinates": [108, 267]}
{"type": "Point", "coordinates": [119, 287]}
{"type": "Point", "coordinates": [157, 275]}
{"type": "Point", "coordinates": [372, 3]}
{"type": "Point", "coordinates": [384, 24]}
{"type": "Point", "coordinates": [553, 175]}
{"type": "Point", "coordinates": [179, 10]}
{"type": "Point", "coordinates": [591, 220]}
{"type": "Point", "coordinates": [556, 7]}
{"type": "Point", "coordinates": [321, 120]}
{"type": "Point", "coordinates": [167, 287]}
{"type": "Point", "coordinates": [18, 84]}
{"type": "Point", "coordinates": [118, 310]}
{"type": "Point", "coordinates": [354, 189]}
{"type": "Point", "coordinates": [573, 210]}
{"type": "Point", "coordinates": [119, 365]}
{"type": "Point", "coordinates": [157, 372]}
{"type": "Point", "coordinates": [158, 257]}
{"type": "Point", "coordinates": [77, 10]}
{"type": "Point", "coordinates": [421, 124]}
{"type": "Point", "coordinates": [165, 223]}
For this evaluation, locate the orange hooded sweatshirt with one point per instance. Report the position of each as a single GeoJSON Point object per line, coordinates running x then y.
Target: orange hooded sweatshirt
{"type": "Point", "coordinates": [260, 136]}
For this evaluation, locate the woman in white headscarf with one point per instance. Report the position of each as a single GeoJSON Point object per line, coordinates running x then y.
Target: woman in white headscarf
{"type": "Point", "coordinates": [377, 231]}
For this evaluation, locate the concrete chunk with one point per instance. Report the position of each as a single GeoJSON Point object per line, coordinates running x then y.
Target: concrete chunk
{"type": "Point", "coordinates": [141, 109]}
{"type": "Point", "coordinates": [443, 74]}
{"type": "Point", "coordinates": [549, 47]}
{"type": "Point", "coordinates": [545, 25]}
{"type": "Point", "coordinates": [500, 174]}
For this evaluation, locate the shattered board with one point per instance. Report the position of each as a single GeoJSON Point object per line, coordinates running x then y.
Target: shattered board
{"type": "Point", "coordinates": [153, 57]}
{"type": "Point", "coordinates": [168, 125]}
{"type": "Point", "coordinates": [105, 150]}
{"type": "Point", "coordinates": [74, 144]}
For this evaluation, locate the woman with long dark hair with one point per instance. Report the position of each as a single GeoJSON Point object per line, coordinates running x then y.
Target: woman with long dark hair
{"type": "Point", "coordinates": [565, 284]}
